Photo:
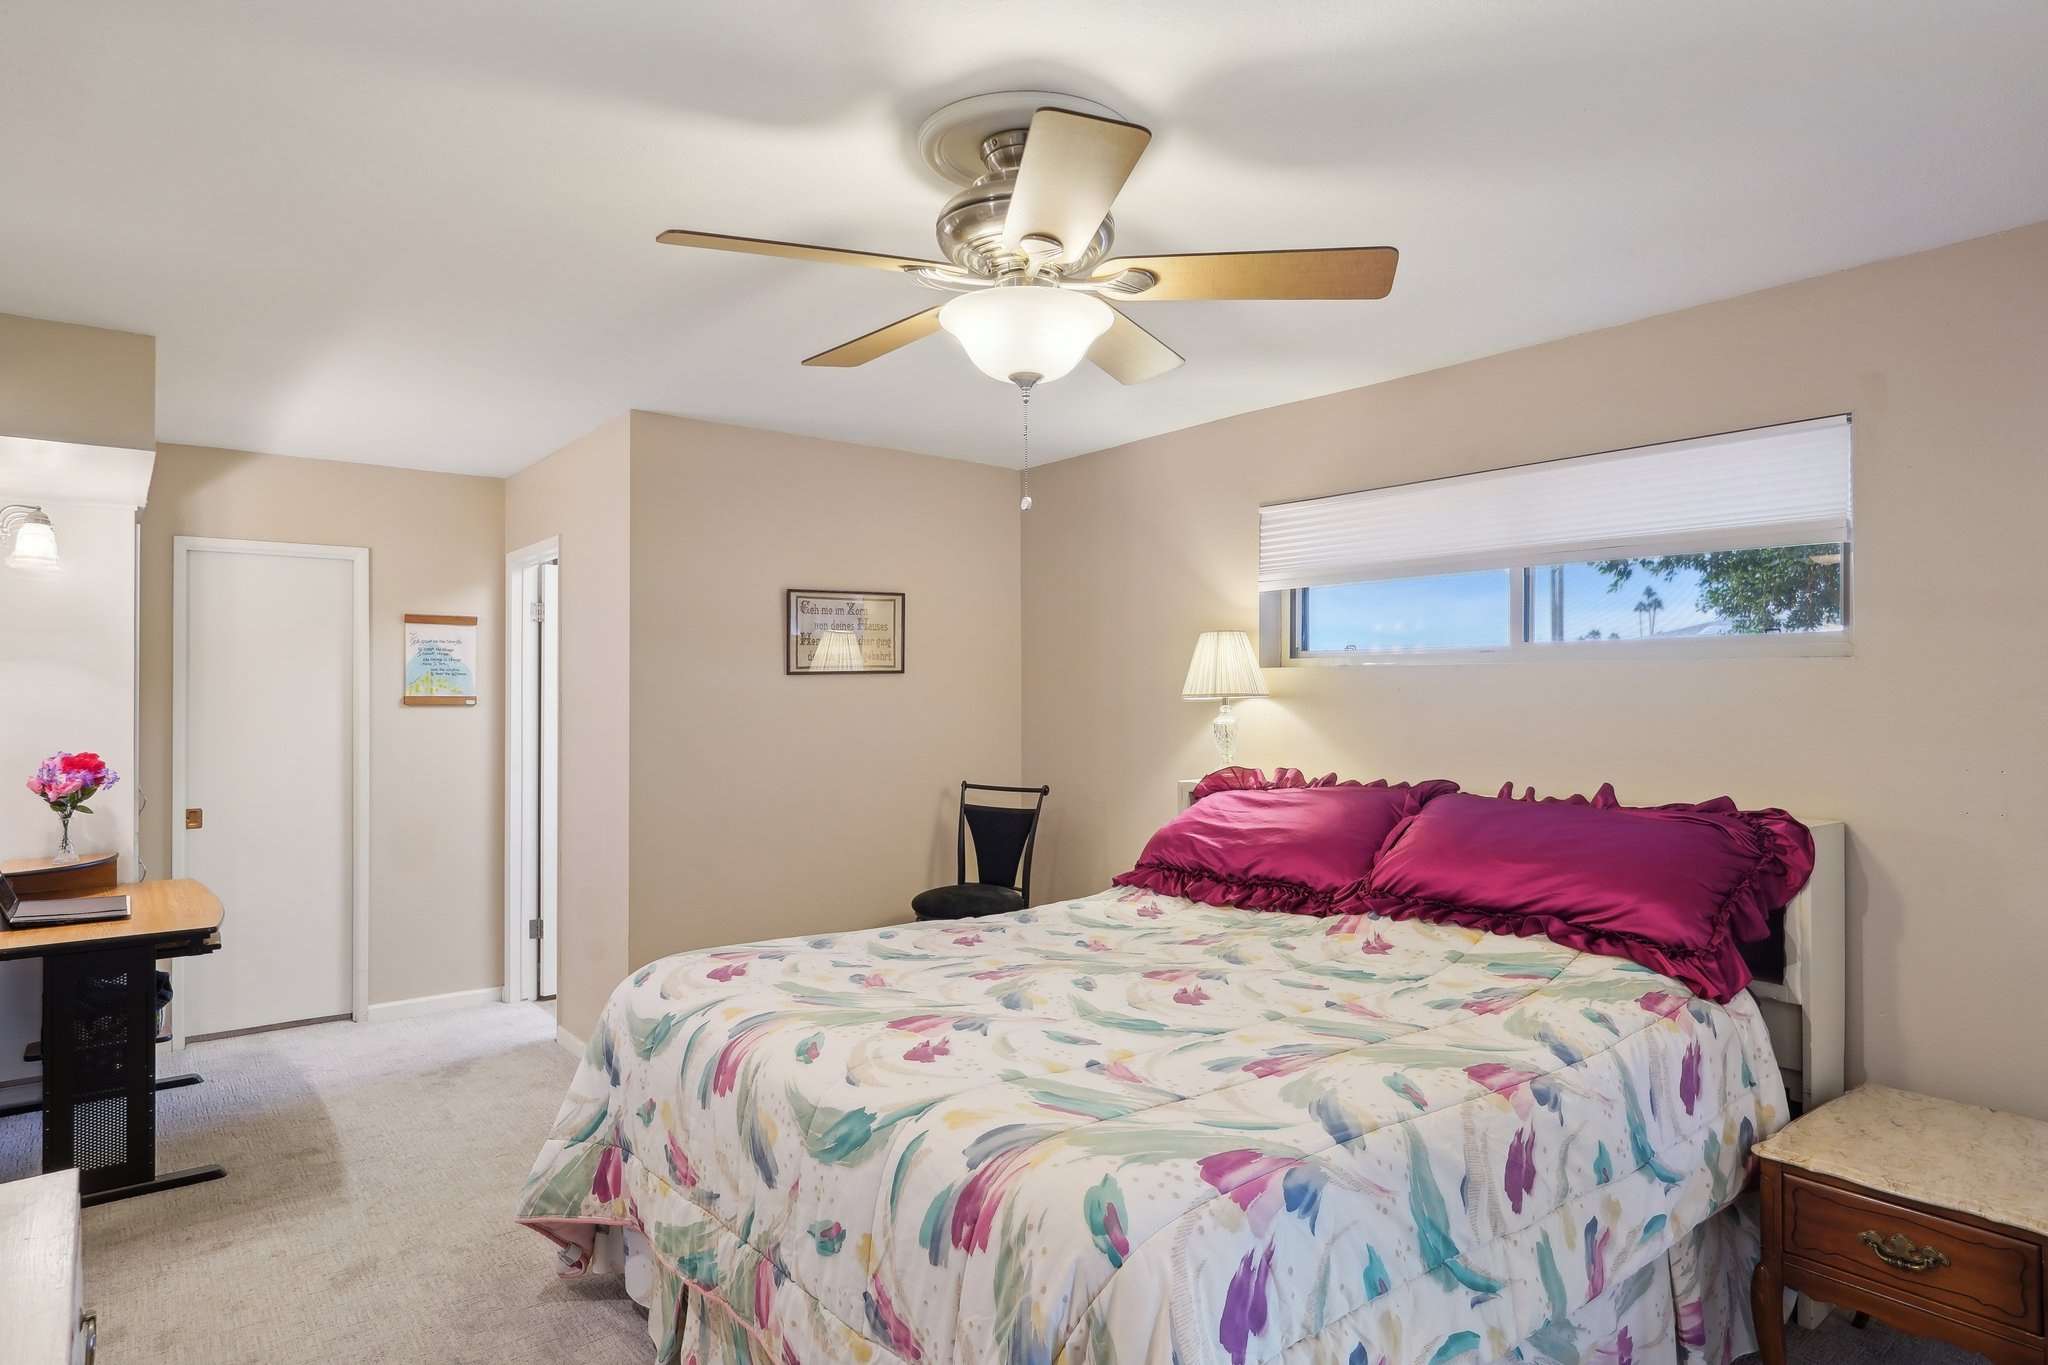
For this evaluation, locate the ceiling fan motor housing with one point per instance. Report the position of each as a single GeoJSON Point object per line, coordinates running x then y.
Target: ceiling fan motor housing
{"type": "Point", "coordinates": [970, 226]}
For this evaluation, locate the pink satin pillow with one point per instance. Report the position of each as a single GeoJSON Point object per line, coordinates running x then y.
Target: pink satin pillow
{"type": "Point", "coordinates": [1675, 888]}
{"type": "Point", "coordinates": [1289, 845]}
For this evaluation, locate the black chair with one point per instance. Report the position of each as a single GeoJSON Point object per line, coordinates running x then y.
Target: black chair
{"type": "Point", "coordinates": [1003, 839]}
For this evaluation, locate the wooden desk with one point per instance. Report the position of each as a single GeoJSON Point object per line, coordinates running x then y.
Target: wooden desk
{"type": "Point", "coordinates": [99, 1034]}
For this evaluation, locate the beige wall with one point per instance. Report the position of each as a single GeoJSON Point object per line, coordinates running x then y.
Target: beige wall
{"type": "Point", "coordinates": [766, 805]}
{"type": "Point", "coordinates": [61, 382]}
{"type": "Point", "coordinates": [1931, 741]}
{"type": "Point", "coordinates": [436, 799]}
{"type": "Point", "coordinates": [580, 494]}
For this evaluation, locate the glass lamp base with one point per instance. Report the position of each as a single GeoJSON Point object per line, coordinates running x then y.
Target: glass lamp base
{"type": "Point", "coordinates": [1223, 730]}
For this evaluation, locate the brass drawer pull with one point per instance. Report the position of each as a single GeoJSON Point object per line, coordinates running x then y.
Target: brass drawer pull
{"type": "Point", "coordinates": [1899, 1252]}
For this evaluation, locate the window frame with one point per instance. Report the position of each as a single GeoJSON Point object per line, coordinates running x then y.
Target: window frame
{"type": "Point", "coordinates": [1286, 608]}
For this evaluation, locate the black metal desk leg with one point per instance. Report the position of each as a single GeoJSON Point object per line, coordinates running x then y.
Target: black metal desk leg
{"type": "Point", "coordinates": [99, 1073]}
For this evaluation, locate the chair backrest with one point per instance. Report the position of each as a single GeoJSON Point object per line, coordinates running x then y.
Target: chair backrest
{"type": "Point", "coordinates": [1004, 837]}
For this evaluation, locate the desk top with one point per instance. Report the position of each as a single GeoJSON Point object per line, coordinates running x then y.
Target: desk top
{"type": "Point", "coordinates": [1950, 1156]}
{"type": "Point", "coordinates": [179, 909]}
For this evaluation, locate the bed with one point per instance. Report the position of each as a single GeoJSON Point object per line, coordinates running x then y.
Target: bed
{"type": "Point", "coordinates": [1134, 1130]}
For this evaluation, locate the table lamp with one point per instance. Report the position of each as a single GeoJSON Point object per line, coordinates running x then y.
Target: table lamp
{"type": "Point", "coordinates": [1225, 667]}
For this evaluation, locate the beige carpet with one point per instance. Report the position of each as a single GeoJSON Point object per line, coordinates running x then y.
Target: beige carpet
{"type": "Point", "coordinates": [366, 1216]}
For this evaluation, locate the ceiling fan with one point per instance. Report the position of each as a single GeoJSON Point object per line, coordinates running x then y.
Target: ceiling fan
{"type": "Point", "coordinates": [1027, 242]}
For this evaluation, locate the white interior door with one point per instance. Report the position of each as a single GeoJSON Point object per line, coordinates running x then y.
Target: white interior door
{"type": "Point", "coordinates": [550, 748]}
{"type": "Point", "coordinates": [267, 775]}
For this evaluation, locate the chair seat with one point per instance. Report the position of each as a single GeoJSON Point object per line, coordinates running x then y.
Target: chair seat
{"type": "Point", "coordinates": [966, 901]}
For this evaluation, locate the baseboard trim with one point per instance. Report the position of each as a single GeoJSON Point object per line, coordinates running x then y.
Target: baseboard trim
{"type": "Point", "coordinates": [569, 1042]}
{"type": "Point", "coordinates": [386, 1010]}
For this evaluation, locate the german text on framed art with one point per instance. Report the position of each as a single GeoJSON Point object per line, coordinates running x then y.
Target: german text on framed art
{"type": "Point", "coordinates": [836, 631]}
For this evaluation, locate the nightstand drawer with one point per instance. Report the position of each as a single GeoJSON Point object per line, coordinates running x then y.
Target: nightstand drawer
{"type": "Point", "coordinates": [1915, 1256]}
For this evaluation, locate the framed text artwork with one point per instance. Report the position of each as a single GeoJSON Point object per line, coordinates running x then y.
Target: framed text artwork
{"type": "Point", "coordinates": [440, 661]}
{"type": "Point", "coordinates": [831, 631]}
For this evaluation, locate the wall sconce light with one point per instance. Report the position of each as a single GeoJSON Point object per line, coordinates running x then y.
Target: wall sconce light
{"type": "Point", "coordinates": [35, 540]}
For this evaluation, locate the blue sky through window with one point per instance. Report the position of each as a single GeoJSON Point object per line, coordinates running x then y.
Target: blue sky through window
{"type": "Point", "coordinates": [1442, 611]}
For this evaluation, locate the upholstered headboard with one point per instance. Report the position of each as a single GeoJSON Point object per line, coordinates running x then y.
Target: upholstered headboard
{"type": "Point", "coordinates": [1804, 1002]}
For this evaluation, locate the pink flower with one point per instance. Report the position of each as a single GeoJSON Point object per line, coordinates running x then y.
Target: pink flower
{"type": "Point", "coordinates": [928, 1051]}
{"type": "Point", "coordinates": [728, 971]}
{"type": "Point", "coordinates": [1376, 945]}
{"type": "Point", "coordinates": [1190, 995]}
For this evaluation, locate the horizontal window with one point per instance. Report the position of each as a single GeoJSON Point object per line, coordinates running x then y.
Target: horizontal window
{"type": "Point", "coordinates": [1407, 615]}
{"type": "Point", "coordinates": [1669, 597]}
{"type": "Point", "coordinates": [1731, 538]}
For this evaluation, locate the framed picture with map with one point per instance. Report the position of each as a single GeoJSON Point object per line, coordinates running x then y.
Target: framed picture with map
{"type": "Point", "coordinates": [838, 632]}
{"type": "Point", "coordinates": [440, 661]}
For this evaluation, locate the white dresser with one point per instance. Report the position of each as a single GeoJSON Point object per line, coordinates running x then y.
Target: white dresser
{"type": "Point", "coordinates": [42, 1281]}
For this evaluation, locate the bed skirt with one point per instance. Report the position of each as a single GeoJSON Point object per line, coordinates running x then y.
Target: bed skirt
{"type": "Point", "coordinates": [1690, 1305]}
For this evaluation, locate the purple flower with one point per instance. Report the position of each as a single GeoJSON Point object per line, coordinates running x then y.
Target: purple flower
{"type": "Point", "coordinates": [1521, 1168]}
{"type": "Point", "coordinates": [66, 781]}
{"type": "Point", "coordinates": [1689, 1077]}
{"type": "Point", "coordinates": [1244, 1305]}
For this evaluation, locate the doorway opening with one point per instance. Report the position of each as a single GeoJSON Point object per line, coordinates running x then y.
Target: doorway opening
{"type": "Point", "coordinates": [532, 753]}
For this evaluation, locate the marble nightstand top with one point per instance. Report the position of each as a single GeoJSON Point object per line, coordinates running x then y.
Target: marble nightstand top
{"type": "Point", "coordinates": [1951, 1156]}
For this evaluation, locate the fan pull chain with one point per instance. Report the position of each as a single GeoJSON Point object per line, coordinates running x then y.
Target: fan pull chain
{"type": "Point", "coordinates": [1025, 504]}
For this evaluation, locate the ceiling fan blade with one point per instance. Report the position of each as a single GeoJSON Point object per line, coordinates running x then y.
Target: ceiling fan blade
{"type": "Point", "coordinates": [1074, 165]}
{"type": "Point", "coordinates": [1130, 354]}
{"type": "Point", "coordinates": [879, 342]}
{"type": "Point", "coordinates": [1346, 272]}
{"type": "Point", "coordinates": [795, 251]}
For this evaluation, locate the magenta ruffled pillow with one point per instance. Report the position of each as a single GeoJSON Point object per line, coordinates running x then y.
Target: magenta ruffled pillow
{"type": "Point", "coordinates": [1675, 888]}
{"type": "Point", "coordinates": [1289, 845]}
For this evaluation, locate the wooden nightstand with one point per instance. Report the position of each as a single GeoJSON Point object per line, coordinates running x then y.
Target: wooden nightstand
{"type": "Point", "coordinates": [1929, 1216]}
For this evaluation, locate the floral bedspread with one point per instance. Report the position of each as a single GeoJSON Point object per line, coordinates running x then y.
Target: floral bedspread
{"type": "Point", "coordinates": [1132, 1130]}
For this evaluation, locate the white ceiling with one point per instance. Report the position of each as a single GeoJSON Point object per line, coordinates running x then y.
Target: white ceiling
{"type": "Point", "coordinates": [423, 233]}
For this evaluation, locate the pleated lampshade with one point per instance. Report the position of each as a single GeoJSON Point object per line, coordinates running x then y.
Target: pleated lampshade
{"type": "Point", "coordinates": [1225, 665]}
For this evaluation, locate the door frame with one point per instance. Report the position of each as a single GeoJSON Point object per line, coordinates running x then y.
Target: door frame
{"type": "Point", "coordinates": [521, 716]}
{"type": "Point", "coordinates": [359, 873]}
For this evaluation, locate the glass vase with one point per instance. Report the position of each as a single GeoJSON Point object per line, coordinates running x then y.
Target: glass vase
{"type": "Point", "coordinates": [65, 852]}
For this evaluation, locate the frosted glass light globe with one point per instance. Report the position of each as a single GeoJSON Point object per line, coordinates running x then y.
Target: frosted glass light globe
{"type": "Point", "coordinates": [1013, 331]}
{"type": "Point", "coordinates": [35, 545]}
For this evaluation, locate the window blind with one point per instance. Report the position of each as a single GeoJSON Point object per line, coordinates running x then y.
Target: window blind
{"type": "Point", "coordinates": [1782, 485]}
